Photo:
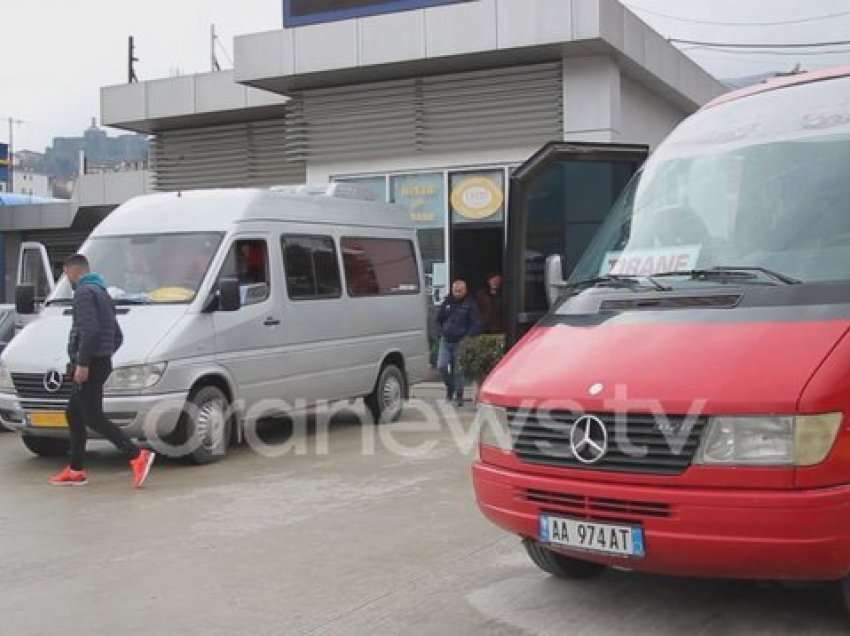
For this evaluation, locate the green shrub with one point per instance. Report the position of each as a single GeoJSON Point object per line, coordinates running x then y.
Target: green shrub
{"type": "Point", "coordinates": [479, 354]}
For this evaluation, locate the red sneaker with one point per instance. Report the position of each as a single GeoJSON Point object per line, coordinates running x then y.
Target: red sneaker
{"type": "Point", "coordinates": [142, 466]}
{"type": "Point", "coordinates": [69, 477]}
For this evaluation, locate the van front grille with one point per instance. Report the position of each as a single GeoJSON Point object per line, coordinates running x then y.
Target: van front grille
{"type": "Point", "coordinates": [30, 386]}
{"type": "Point", "coordinates": [595, 507]}
{"type": "Point", "coordinates": [44, 405]}
{"type": "Point", "coordinates": [638, 443]}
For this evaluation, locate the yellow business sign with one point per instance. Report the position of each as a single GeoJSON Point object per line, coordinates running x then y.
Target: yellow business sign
{"type": "Point", "coordinates": [477, 198]}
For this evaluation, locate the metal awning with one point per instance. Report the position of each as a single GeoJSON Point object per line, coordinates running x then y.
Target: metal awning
{"type": "Point", "coordinates": [51, 216]}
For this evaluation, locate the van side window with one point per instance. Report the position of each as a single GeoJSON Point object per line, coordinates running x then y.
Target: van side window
{"type": "Point", "coordinates": [311, 265]}
{"type": "Point", "coordinates": [379, 267]}
{"type": "Point", "coordinates": [248, 261]}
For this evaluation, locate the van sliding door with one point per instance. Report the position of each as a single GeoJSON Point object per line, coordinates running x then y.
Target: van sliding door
{"type": "Point", "coordinates": [559, 198]}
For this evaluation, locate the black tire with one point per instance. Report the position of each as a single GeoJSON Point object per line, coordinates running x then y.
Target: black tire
{"type": "Point", "coordinates": [559, 565]}
{"type": "Point", "coordinates": [47, 446]}
{"type": "Point", "coordinates": [204, 427]}
{"type": "Point", "coordinates": [386, 401]}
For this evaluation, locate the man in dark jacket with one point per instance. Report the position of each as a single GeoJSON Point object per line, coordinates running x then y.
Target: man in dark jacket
{"type": "Point", "coordinates": [95, 337]}
{"type": "Point", "coordinates": [458, 318]}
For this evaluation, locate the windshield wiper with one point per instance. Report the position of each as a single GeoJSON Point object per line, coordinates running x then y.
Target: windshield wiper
{"type": "Point", "coordinates": [743, 272]}
{"type": "Point", "coordinates": [617, 280]}
{"type": "Point", "coordinates": [59, 301]}
{"type": "Point", "coordinates": [131, 301]}
{"type": "Point", "coordinates": [770, 273]}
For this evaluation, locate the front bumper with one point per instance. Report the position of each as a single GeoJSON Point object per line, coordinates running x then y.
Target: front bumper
{"type": "Point", "coordinates": [723, 533]}
{"type": "Point", "coordinates": [136, 415]}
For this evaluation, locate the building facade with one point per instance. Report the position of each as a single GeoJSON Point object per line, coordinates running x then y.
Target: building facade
{"type": "Point", "coordinates": [427, 103]}
{"type": "Point", "coordinates": [31, 183]}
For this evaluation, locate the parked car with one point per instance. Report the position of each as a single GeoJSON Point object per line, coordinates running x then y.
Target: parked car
{"type": "Point", "coordinates": [683, 407]}
{"type": "Point", "coordinates": [232, 298]}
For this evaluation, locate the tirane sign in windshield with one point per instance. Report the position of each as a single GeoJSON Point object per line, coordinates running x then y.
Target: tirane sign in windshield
{"type": "Point", "coordinates": [300, 12]}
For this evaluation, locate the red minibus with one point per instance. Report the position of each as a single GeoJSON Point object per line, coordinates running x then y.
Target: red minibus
{"type": "Point", "coordinates": [682, 406]}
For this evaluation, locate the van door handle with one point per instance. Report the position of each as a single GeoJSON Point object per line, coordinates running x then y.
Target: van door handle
{"type": "Point", "coordinates": [271, 322]}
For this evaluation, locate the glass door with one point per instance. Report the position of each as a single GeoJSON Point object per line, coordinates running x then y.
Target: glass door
{"type": "Point", "coordinates": [559, 198]}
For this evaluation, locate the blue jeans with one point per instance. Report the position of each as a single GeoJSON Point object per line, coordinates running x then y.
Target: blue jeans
{"type": "Point", "coordinates": [449, 367]}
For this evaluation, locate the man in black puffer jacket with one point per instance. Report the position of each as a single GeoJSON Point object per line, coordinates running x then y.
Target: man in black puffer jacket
{"type": "Point", "coordinates": [458, 318]}
{"type": "Point", "coordinates": [95, 337]}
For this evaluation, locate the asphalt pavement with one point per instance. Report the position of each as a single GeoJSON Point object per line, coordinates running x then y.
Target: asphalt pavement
{"type": "Point", "coordinates": [336, 543]}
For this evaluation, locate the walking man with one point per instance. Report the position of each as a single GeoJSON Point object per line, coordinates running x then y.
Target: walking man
{"type": "Point", "coordinates": [95, 337]}
{"type": "Point", "coordinates": [458, 318]}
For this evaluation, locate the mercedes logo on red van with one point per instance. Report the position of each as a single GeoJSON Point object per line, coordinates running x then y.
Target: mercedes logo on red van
{"type": "Point", "coordinates": [589, 439]}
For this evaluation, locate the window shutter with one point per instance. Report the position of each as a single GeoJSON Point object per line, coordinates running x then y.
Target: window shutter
{"type": "Point", "coordinates": [227, 156]}
{"type": "Point", "coordinates": [443, 113]}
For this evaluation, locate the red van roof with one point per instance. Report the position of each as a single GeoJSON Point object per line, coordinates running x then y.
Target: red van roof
{"type": "Point", "coordinates": [781, 82]}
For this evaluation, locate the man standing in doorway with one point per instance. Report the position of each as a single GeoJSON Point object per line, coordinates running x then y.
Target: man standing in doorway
{"type": "Point", "coordinates": [458, 319]}
{"type": "Point", "coordinates": [490, 305]}
{"type": "Point", "coordinates": [95, 337]}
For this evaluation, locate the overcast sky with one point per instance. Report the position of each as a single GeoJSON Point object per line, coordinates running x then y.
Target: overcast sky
{"type": "Point", "coordinates": [58, 53]}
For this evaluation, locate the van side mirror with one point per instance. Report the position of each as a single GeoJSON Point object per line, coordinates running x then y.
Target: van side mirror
{"type": "Point", "coordinates": [553, 278]}
{"type": "Point", "coordinates": [25, 300]}
{"type": "Point", "coordinates": [229, 297]}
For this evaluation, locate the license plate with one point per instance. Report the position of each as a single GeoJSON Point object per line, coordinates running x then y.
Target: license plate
{"type": "Point", "coordinates": [49, 419]}
{"type": "Point", "coordinates": [591, 536]}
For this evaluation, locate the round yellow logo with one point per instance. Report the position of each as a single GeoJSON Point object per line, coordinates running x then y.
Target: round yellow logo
{"type": "Point", "coordinates": [477, 198]}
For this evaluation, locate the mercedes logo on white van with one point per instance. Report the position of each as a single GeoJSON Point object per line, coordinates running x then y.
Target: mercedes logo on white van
{"type": "Point", "coordinates": [589, 439]}
{"type": "Point", "coordinates": [52, 381]}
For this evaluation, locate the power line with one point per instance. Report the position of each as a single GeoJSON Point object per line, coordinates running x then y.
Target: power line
{"type": "Point", "coordinates": [743, 24]}
{"type": "Point", "coordinates": [751, 52]}
{"type": "Point", "coordinates": [750, 45]}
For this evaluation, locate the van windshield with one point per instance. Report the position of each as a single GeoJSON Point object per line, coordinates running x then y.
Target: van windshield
{"type": "Point", "coordinates": [149, 268]}
{"type": "Point", "coordinates": [761, 182]}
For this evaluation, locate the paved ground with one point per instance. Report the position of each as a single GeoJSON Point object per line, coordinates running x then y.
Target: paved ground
{"type": "Point", "coordinates": [342, 544]}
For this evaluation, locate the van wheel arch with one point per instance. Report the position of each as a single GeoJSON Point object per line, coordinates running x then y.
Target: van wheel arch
{"type": "Point", "coordinates": [207, 395]}
{"type": "Point", "coordinates": [395, 358]}
{"type": "Point", "coordinates": [391, 381]}
{"type": "Point", "coordinates": [221, 383]}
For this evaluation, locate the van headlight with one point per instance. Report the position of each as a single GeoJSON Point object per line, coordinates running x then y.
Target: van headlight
{"type": "Point", "coordinates": [6, 383]}
{"type": "Point", "coordinates": [780, 440]}
{"type": "Point", "coordinates": [135, 378]}
{"type": "Point", "coordinates": [491, 422]}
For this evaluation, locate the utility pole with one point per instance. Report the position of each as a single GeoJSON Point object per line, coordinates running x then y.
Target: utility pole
{"type": "Point", "coordinates": [215, 67]}
{"type": "Point", "coordinates": [131, 62]}
{"type": "Point", "coordinates": [11, 171]}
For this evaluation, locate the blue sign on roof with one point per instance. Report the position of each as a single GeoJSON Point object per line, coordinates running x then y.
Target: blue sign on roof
{"type": "Point", "coordinates": [301, 12]}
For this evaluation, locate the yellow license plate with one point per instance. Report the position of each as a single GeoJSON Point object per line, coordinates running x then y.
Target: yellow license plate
{"type": "Point", "coordinates": [49, 419]}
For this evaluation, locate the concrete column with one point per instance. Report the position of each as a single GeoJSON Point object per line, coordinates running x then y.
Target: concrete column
{"type": "Point", "coordinates": [592, 91]}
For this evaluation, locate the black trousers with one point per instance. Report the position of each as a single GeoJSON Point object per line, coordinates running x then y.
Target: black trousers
{"type": "Point", "coordinates": [85, 410]}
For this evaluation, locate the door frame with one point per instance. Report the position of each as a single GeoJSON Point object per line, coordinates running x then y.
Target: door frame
{"type": "Point", "coordinates": [47, 270]}
{"type": "Point", "coordinates": [517, 217]}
